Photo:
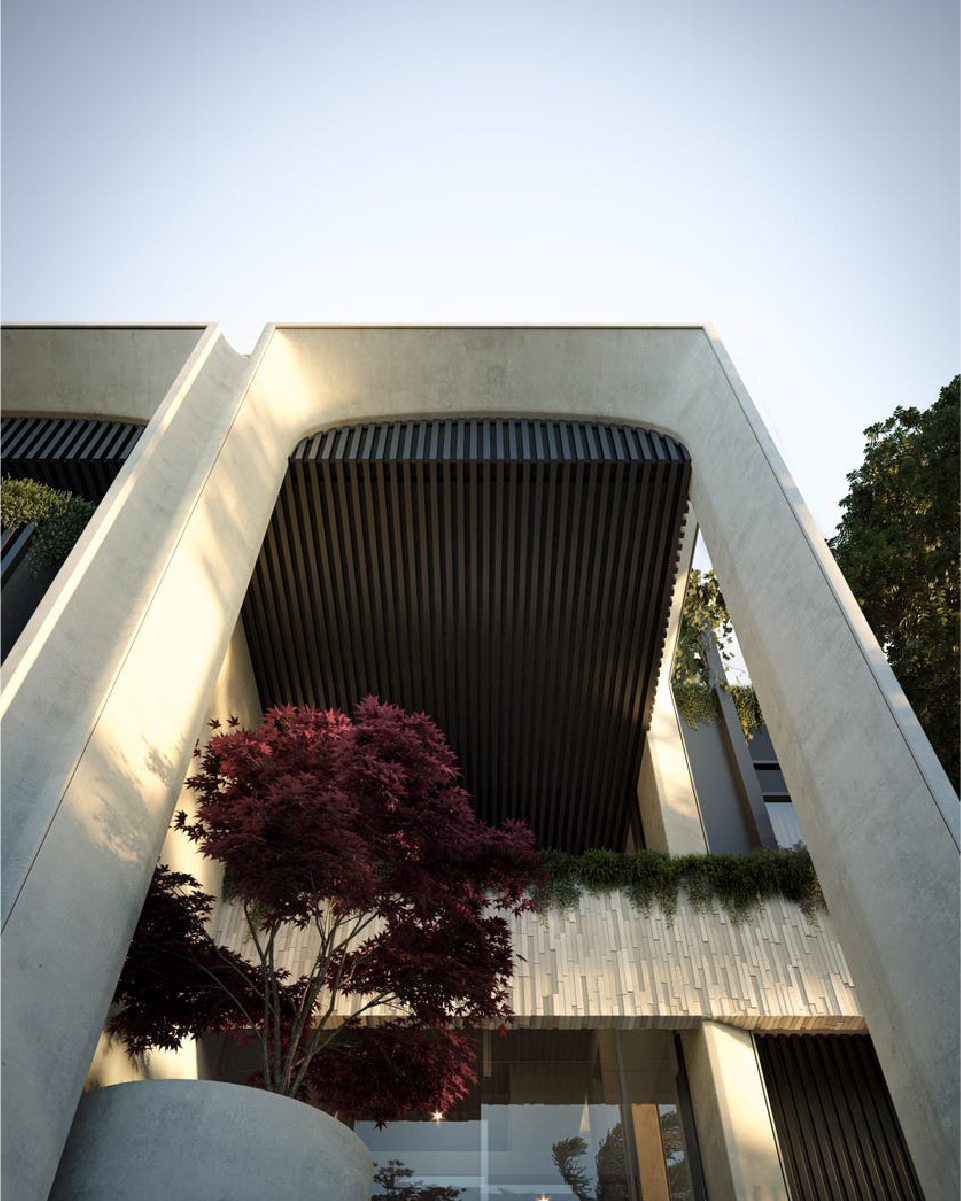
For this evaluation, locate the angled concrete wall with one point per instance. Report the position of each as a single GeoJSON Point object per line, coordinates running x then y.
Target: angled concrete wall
{"type": "Point", "coordinates": [234, 694]}
{"type": "Point", "coordinates": [668, 800]}
{"type": "Point", "coordinates": [875, 807]}
{"type": "Point", "coordinates": [102, 698]}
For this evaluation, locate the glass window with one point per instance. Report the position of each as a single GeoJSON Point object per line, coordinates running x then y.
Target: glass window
{"type": "Point", "coordinates": [580, 1115]}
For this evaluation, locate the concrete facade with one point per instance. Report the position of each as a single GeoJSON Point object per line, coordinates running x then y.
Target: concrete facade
{"type": "Point", "coordinates": [105, 691]}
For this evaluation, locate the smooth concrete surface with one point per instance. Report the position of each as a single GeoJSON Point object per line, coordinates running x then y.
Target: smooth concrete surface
{"type": "Point", "coordinates": [876, 809]}
{"type": "Point", "coordinates": [197, 1140]}
{"type": "Point", "coordinates": [103, 699]}
{"type": "Point", "coordinates": [668, 800]}
{"type": "Point", "coordinates": [735, 1134]}
{"type": "Point", "coordinates": [234, 695]}
{"type": "Point", "coordinates": [878, 813]}
{"type": "Point", "coordinates": [118, 372]}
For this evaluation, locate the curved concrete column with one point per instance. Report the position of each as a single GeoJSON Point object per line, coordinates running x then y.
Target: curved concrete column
{"type": "Point", "coordinates": [146, 620]}
{"type": "Point", "coordinates": [876, 808]}
{"type": "Point", "coordinates": [197, 1139]}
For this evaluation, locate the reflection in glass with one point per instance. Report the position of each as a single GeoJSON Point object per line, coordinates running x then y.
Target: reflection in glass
{"type": "Point", "coordinates": [675, 1160]}
{"type": "Point", "coordinates": [610, 1182]}
{"type": "Point", "coordinates": [571, 1115]}
{"type": "Point", "coordinates": [394, 1182]}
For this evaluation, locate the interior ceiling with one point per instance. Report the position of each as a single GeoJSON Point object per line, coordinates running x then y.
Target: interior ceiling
{"type": "Point", "coordinates": [511, 578]}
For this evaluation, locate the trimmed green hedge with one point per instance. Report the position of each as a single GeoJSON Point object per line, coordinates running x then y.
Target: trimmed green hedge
{"type": "Point", "coordinates": [737, 882]}
{"type": "Point", "coordinates": [60, 518]}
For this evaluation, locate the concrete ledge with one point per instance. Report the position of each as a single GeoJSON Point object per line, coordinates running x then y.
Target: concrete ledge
{"type": "Point", "coordinates": [197, 1140]}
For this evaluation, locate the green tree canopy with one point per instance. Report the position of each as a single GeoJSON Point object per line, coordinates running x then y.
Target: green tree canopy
{"type": "Point", "coordinates": [898, 545]}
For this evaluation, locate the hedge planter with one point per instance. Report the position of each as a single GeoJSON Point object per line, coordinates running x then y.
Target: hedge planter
{"type": "Point", "coordinates": [199, 1140]}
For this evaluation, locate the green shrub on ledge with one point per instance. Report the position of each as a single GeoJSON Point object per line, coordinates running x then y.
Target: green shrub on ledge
{"type": "Point", "coordinates": [736, 882]}
{"type": "Point", "coordinates": [59, 518]}
{"type": "Point", "coordinates": [696, 701]}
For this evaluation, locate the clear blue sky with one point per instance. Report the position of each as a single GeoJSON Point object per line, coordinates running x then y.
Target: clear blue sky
{"type": "Point", "coordinates": [788, 171]}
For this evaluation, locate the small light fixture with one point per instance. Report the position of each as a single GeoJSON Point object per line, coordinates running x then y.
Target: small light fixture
{"type": "Point", "coordinates": [437, 1115]}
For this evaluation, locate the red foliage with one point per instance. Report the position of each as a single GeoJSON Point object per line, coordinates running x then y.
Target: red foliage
{"type": "Point", "coordinates": [380, 1072]}
{"type": "Point", "coordinates": [360, 830]}
{"type": "Point", "coordinates": [176, 983]}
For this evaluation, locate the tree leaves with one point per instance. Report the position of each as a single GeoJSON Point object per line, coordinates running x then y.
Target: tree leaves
{"type": "Point", "coordinates": [60, 518]}
{"type": "Point", "coordinates": [898, 545]}
{"type": "Point", "coordinates": [359, 830]}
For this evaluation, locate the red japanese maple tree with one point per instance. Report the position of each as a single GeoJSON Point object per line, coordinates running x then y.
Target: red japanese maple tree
{"type": "Point", "coordinates": [359, 830]}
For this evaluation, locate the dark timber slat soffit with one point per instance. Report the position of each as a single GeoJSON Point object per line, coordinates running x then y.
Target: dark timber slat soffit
{"type": "Point", "coordinates": [837, 1130]}
{"type": "Point", "coordinates": [73, 454]}
{"type": "Point", "coordinates": [511, 578]}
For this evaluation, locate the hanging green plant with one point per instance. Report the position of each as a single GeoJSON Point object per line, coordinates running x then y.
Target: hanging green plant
{"type": "Point", "coordinates": [59, 517]}
{"type": "Point", "coordinates": [705, 616]}
{"type": "Point", "coordinates": [736, 882]}
{"type": "Point", "coordinates": [696, 702]}
{"type": "Point", "coordinates": [748, 708]}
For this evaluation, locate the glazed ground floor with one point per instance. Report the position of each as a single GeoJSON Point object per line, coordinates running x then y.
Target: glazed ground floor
{"type": "Point", "coordinates": [708, 1112]}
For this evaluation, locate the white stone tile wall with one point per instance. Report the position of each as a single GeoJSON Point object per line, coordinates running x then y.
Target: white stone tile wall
{"type": "Point", "coordinates": [605, 963]}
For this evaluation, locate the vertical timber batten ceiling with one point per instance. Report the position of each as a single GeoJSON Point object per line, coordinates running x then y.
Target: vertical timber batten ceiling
{"type": "Point", "coordinates": [511, 578]}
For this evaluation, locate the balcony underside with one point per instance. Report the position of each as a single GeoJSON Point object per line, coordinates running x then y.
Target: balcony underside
{"type": "Point", "coordinates": [511, 578]}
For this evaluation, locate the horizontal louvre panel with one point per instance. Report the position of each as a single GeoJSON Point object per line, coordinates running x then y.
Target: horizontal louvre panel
{"type": "Point", "coordinates": [72, 454]}
{"type": "Point", "coordinates": [837, 1129]}
{"type": "Point", "coordinates": [510, 578]}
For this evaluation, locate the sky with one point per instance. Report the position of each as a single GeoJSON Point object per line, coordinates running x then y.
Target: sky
{"type": "Point", "coordinates": [788, 171]}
